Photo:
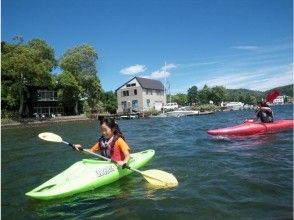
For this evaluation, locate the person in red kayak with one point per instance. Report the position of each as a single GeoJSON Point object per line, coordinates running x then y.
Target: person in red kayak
{"type": "Point", "coordinates": [112, 143]}
{"type": "Point", "coordinates": [264, 112]}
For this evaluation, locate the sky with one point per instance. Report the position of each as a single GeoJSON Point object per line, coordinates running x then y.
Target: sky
{"type": "Point", "coordinates": [234, 43]}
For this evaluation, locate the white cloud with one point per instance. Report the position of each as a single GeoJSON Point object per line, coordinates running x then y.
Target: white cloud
{"type": "Point", "coordinates": [146, 76]}
{"type": "Point", "coordinates": [268, 67]}
{"type": "Point", "coordinates": [162, 72]}
{"type": "Point", "coordinates": [246, 47]}
{"type": "Point", "coordinates": [135, 69]}
{"type": "Point", "coordinates": [169, 66]}
{"type": "Point", "coordinates": [263, 78]}
{"type": "Point", "coordinates": [159, 74]}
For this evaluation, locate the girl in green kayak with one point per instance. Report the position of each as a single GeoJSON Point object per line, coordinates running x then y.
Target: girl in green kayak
{"type": "Point", "coordinates": [112, 143]}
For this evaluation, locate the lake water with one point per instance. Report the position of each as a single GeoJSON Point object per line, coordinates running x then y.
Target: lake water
{"type": "Point", "coordinates": [245, 178]}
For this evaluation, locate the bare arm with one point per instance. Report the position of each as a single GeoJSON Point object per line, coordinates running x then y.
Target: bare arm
{"type": "Point", "coordinates": [266, 109]}
{"type": "Point", "coordinates": [127, 157]}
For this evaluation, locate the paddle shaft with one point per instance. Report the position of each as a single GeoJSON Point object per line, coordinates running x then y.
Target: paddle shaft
{"type": "Point", "coordinates": [102, 157]}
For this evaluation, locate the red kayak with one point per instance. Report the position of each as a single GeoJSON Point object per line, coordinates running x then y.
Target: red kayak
{"type": "Point", "coordinates": [250, 127]}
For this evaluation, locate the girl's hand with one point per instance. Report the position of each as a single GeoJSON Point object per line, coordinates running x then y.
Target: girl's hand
{"type": "Point", "coordinates": [120, 163]}
{"type": "Point", "coordinates": [77, 146]}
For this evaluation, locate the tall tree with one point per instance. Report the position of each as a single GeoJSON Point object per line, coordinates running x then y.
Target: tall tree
{"type": "Point", "coordinates": [22, 65]}
{"type": "Point", "coordinates": [69, 91]}
{"type": "Point", "coordinates": [110, 101]}
{"type": "Point", "coordinates": [80, 61]}
{"type": "Point", "coordinates": [204, 95]}
{"type": "Point", "coordinates": [180, 98]}
{"type": "Point", "coordinates": [218, 94]}
{"type": "Point", "coordinates": [250, 100]}
{"type": "Point", "coordinates": [192, 95]}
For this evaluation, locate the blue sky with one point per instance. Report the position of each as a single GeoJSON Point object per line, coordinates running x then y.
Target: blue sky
{"type": "Point", "coordinates": [235, 43]}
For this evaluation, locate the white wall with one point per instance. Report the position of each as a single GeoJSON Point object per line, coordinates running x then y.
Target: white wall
{"type": "Point", "coordinates": [154, 98]}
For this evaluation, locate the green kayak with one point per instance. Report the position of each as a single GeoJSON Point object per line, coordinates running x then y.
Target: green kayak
{"type": "Point", "coordinates": [86, 175]}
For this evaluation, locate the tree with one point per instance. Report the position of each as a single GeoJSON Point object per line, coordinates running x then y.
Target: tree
{"type": "Point", "coordinates": [250, 100]}
{"type": "Point", "coordinates": [179, 98]}
{"type": "Point", "coordinates": [69, 91]}
{"type": "Point", "coordinates": [110, 101]}
{"type": "Point", "coordinates": [22, 65]}
{"type": "Point", "coordinates": [204, 95]}
{"type": "Point", "coordinates": [218, 94]}
{"type": "Point", "coordinates": [192, 95]}
{"type": "Point", "coordinates": [80, 61]}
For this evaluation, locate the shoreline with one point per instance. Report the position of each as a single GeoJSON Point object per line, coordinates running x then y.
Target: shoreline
{"type": "Point", "coordinates": [31, 121]}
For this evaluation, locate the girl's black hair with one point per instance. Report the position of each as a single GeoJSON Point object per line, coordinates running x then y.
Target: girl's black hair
{"type": "Point", "coordinates": [110, 122]}
{"type": "Point", "coordinates": [263, 104]}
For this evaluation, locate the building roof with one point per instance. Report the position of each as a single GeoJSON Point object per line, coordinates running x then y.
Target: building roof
{"type": "Point", "coordinates": [147, 83]}
{"type": "Point", "coordinates": [150, 83]}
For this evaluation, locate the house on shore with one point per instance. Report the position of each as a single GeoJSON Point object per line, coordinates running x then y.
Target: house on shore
{"type": "Point", "coordinates": [42, 101]}
{"type": "Point", "coordinates": [139, 95]}
{"type": "Point", "coordinates": [279, 100]}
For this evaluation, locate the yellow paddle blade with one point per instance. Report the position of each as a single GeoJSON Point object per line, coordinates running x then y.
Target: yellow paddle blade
{"type": "Point", "coordinates": [47, 136]}
{"type": "Point", "coordinates": [160, 178]}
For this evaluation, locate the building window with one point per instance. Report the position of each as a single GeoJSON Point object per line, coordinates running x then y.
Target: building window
{"type": "Point", "coordinates": [149, 91]}
{"type": "Point", "coordinates": [124, 105]}
{"type": "Point", "coordinates": [131, 85]}
{"type": "Point", "coordinates": [135, 91]}
{"type": "Point", "coordinates": [45, 95]}
{"type": "Point", "coordinates": [158, 92]}
{"type": "Point", "coordinates": [126, 93]}
{"type": "Point", "coordinates": [48, 111]}
{"type": "Point", "coordinates": [148, 102]}
{"type": "Point", "coordinates": [135, 104]}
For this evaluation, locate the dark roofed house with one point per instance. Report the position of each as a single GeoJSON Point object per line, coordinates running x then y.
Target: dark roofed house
{"type": "Point", "coordinates": [140, 94]}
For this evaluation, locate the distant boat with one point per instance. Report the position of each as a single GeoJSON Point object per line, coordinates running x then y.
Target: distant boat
{"type": "Point", "coordinates": [162, 115]}
{"type": "Point", "coordinates": [181, 113]}
{"type": "Point", "coordinates": [128, 116]}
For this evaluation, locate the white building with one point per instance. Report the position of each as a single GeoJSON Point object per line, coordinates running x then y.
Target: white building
{"type": "Point", "coordinates": [279, 100]}
{"type": "Point", "coordinates": [140, 94]}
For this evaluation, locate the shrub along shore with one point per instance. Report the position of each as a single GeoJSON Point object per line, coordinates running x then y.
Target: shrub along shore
{"type": "Point", "coordinates": [31, 121]}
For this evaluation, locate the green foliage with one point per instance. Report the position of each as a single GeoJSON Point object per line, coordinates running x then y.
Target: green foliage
{"type": "Point", "coordinates": [80, 61]}
{"type": "Point", "coordinates": [204, 95]}
{"type": "Point", "coordinates": [109, 100]}
{"type": "Point", "coordinates": [206, 107]}
{"type": "Point", "coordinates": [250, 100]}
{"type": "Point", "coordinates": [24, 64]}
{"type": "Point", "coordinates": [180, 99]}
{"type": "Point", "coordinates": [10, 96]}
{"type": "Point", "coordinates": [192, 95]}
{"type": "Point", "coordinates": [151, 111]}
{"type": "Point", "coordinates": [68, 88]}
{"type": "Point", "coordinates": [9, 115]}
{"type": "Point", "coordinates": [87, 109]}
{"type": "Point", "coordinates": [285, 90]}
{"type": "Point", "coordinates": [239, 95]}
{"type": "Point", "coordinates": [218, 94]}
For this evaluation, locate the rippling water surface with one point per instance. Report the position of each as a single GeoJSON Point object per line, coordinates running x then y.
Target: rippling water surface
{"type": "Point", "coordinates": [219, 178]}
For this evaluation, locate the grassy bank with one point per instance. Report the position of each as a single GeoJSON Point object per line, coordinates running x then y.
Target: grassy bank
{"type": "Point", "coordinates": [5, 122]}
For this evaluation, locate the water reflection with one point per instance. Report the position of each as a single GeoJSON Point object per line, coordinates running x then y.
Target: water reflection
{"type": "Point", "coordinates": [247, 141]}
